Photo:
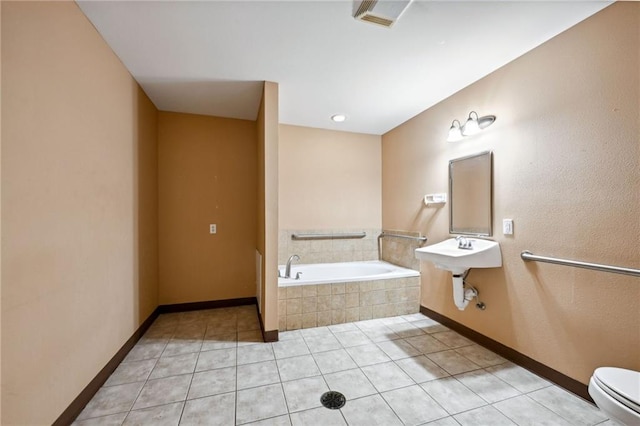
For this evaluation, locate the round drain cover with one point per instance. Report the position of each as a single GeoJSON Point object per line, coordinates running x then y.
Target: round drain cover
{"type": "Point", "coordinates": [333, 400]}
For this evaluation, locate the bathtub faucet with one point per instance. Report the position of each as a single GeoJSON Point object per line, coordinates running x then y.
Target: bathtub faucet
{"type": "Point", "coordinates": [287, 271]}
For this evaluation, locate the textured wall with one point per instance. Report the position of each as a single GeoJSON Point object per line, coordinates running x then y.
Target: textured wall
{"type": "Point", "coordinates": [267, 234]}
{"type": "Point", "coordinates": [566, 170]}
{"type": "Point", "coordinates": [329, 179]}
{"type": "Point", "coordinates": [207, 175]}
{"type": "Point", "coordinates": [79, 259]}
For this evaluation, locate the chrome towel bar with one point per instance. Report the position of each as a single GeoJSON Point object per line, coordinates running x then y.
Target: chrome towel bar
{"type": "Point", "coordinates": [422, 240]}
{"type": "Point", "coordinates": [528, 256]}
{"type": "Point", "coordinates": [342, 236]}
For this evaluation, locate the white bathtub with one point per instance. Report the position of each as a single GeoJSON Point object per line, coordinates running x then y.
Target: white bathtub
{"type": "Point", "coordinates": [321, 273]}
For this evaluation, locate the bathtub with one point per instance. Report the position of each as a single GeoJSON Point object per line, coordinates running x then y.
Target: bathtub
{"type": "Point", "coordinates": [335, 293]}
{"type": "Point", "coordinates": [322, 273]}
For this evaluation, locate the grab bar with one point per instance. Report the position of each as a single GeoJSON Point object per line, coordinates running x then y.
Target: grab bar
{"type": "Point", "coordinates": [528, 256]}
{"type": "Point", "coordinates": [422, 240]}
{"type": "Point", "coordinates": [343, 236]}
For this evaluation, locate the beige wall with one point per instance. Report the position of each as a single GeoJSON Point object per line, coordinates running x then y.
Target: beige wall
{"type": "Point", "coordinates": [267, 232]}
{"type": "Point", "coordinates": [0, 212]}
{"type": "Point", "coordinates": [566, 169]}
{"type": "Point", "coordinates": [329, 179]}
{"type": "Point", "coordinates": [78, 194]}
{"type": "Point", "coordinates": [206, 175]}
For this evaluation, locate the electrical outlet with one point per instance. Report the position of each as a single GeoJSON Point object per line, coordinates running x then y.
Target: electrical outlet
{"type": "Point", "coordinates": [213, 228]}
{"type": "Point", "coordinates": [507, 226]}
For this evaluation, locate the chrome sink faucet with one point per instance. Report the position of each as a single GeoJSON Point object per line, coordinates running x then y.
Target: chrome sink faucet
{"type": "Point", "coordinates": [464, 243]}
{"type": "Point", "coordinates": [287, 271]}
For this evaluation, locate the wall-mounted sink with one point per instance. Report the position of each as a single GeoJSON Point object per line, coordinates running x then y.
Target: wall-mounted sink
{"type": "Point", "coordinates": [458, 255]}
{"type": "Point", "coordinates": [447, 255]}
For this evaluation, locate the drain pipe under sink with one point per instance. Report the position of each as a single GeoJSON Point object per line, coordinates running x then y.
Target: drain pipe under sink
{"type": "Point", "coordinates": [462, 296]}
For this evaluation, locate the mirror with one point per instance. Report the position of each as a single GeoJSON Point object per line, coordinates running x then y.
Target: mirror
{"type": "Point", "coordinates": [471, 195]}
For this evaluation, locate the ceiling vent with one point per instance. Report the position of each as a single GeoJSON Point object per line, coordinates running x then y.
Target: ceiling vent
{"type": "Point", "coordinates": [380, 12]}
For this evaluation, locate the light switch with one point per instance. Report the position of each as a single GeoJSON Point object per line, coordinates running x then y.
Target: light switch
{"type": "Point", "coordinates": [212, 228]}
{"type": "Point", "coordinates": [507, 226]}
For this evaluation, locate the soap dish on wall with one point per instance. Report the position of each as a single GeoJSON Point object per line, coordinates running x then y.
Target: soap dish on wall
{"type": "Point", "coordinates": [435, 200]}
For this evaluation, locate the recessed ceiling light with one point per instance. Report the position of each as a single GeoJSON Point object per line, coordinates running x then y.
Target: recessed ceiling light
{"type": "Point", "coordinates": [338, 118]}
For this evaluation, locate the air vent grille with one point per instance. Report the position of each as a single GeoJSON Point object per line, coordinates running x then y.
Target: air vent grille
{"type": "Point", "coordinates": [379, 12]}
{"type": "Point", "coordinates": [376, 20]}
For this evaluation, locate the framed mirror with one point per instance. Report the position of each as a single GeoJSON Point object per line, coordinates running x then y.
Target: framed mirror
{"type": "Point", "coordinates": [471, 195]}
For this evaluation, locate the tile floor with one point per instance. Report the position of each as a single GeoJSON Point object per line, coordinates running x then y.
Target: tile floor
{"type": "Point", "coordinates": [212, 368]}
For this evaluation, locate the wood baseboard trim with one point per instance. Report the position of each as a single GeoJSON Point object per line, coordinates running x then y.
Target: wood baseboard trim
{"type": "Point", "coordinates": [565, 382]}
{"type": "Point", "coordinates": [77, 405]}
{"type": "Point", "coordinates": [267, 335]}
{"type": "Point", "coordinates": [209, 304]}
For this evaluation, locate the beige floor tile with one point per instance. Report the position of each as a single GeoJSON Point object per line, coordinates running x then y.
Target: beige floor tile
{"type": "Point", "coordinates": [217, 410]}
{"type": "Point", "coordinates": [421, 369]}
{"type": "Point", "coordinates": [452, 362]}
{"type": "Point", "coordinates": [303, 394]}
{"type": "Point", "coordinates": [525, 411]}
{"type": "Point", "coordinates": [360, 412]}
{"type": "Point", "coordinates": [174, 365]}
{"type": "Point", "coordinates": [318, 416]}
{"type": "Point", "coordinates": [351, 383]}
{"type": "Point", "coordinates": [387, 376]}
{"type": "Point", "coordinates": [518, 377]}
{"type": "Point", "coordinates": [218, 358]}
{"type": "Point", "coordinates": [426, 344]}
{"type": "Point", "coordinates": [368, 354]}
{"type": "Point", "coordinates": [130, 372]}
{"type": "Point", "coordinates": [487, 386]}
{"type": "Point", "coordinates": [297, 367]}
{"type": "Point", "coordinates": [260, 403]}
{"type": "Point", "coordinates": [483, 416]}
{"type": "Point", "coordinates": [163, 391]}
{"type": "Point", "coordinates": [332, 361]}
{"type": "Point", "coordinates": [481, 356]}
{"type": "Point", "coordinates": [255, 353]}
{"type": "Point", "coordinates": [452, 395]}
{"type": "Point", "coordinates": [413, 405]}
{"type": "Point", "coordinates": [163, 415]}
{"type": "Point", "coordinates": [213, 382]}
{"type": "Point", "coordinates": [112, 400]}
{"type": "Point", "coordinates": [289, 348]}
{"type": "Point", "coordinates": [112, 420]}
{"type": "Point", "coordinates": [568, 406]}
{"type": "Point", "coordinates": [398, 349]}
{"type": "Point", "coordinates": [257, 374]}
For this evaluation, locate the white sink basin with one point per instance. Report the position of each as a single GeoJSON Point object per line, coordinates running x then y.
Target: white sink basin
{"type": "Point", "coordinates": [446, 255]}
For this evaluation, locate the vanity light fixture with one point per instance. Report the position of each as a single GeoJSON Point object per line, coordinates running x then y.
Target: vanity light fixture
{"type": "Point", "coordinates": [338, 118]}
{"type": "Point", "coordinates": [455, 132]}
{"type": "Point", "coordinates": [475, 125]}
{"type": "Point", "coordinates": [472, 126]}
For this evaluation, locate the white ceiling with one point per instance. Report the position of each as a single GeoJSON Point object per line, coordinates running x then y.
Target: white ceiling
{"type": "Point", "coordinates": [210, 57]}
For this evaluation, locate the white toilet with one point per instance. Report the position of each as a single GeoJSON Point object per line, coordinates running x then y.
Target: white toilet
{"type": "Point", "coordinates": [616, 392]}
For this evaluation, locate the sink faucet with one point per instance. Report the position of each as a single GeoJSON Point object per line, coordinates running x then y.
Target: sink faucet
{"type": "Point", "coordinates": [464, 243]}
{"type": "Point", "coordinates": [287, 271]}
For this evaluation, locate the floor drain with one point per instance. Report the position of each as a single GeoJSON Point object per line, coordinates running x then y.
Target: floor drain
{"type": "Point", "coordinates": [333, 400]}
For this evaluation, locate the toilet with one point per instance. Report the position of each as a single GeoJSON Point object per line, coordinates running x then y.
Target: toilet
{"type": "Point", "coordinates": [616, 392]}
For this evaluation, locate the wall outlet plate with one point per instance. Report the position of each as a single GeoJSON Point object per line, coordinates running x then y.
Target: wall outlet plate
{"type": "Point", "coordinates": [507, 226]}
{"type": "Point", "coordinates": [213, 228]}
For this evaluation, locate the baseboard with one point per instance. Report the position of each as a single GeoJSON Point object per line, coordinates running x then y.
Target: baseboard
{"type": "Point", "coordinates": [512, 355]}
{"type": "Point", "coordinates": [210, 304]}
{"type": "Point", "coordinates": [267, 335]}
{"type": "Point", "coordinates": [75, 408]}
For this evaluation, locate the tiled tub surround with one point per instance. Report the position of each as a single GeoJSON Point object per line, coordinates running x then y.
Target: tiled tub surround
{"type": "Point", "coordinates": [328, 251]}
{"type": "Point", "coordinates": [316, 305]}
{"type": "Point", "coordinates": [211, 368]}
{"type": "Point", "coordinates": [400, 251]}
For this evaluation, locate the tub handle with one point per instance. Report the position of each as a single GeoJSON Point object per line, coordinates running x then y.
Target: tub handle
{"type": "Point", "coordinates": [298, 275]}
